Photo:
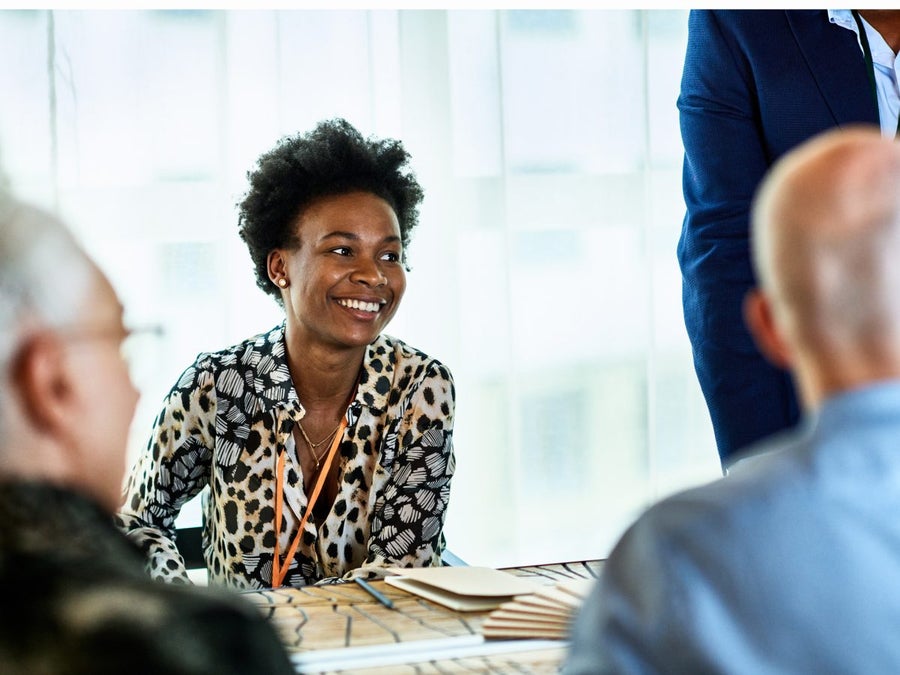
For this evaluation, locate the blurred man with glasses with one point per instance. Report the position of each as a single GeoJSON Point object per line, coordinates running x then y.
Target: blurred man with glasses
{"type": "Point", "coordinates": [74, 596]}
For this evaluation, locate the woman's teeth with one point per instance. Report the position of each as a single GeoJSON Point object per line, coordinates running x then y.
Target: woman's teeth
{"type": "Point", "coordinates": [364, 306]}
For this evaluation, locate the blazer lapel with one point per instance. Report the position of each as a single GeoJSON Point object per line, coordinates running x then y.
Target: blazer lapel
{"type": "Point", "coordinates": [833, 56]}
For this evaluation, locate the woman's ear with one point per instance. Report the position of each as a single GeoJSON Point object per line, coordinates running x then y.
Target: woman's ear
{"type": "Point", "coordinates": [277, 268]}
{"type": "Point", "coordinates": [766, 333]}
{"type": "Point", "coordinates": [42, 382]}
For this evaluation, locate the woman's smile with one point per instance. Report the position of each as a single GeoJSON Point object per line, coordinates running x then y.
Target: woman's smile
{"type": "Point", "coordinates": [369, 309]}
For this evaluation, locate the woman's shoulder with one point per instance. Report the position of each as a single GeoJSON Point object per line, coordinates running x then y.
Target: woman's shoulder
{"type": "Point", "coordinates": [406, 359]}
{"type": "Point", "coordinates": [263, 354]}
{"type": "Point", "coordinates": [249, 352]}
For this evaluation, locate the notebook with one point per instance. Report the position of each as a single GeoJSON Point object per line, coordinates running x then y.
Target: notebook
{"type": "Point", "coordinates": [545, 613]}
{"type": "Point", "coordinates": [464, 589]}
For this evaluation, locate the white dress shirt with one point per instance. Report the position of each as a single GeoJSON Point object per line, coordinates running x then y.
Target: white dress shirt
{"type": "Point", "coordinates": [886, 65]}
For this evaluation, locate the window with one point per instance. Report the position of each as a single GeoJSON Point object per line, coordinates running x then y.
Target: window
{"type": "Point", "coordinates": [544, 271]}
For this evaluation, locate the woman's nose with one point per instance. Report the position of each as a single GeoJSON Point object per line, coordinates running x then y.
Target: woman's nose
{"type": "Point", "coordinates": [368, 272]}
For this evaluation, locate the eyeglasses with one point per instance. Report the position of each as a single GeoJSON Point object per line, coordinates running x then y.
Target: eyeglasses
{"type": "Point", "coordinates": [138, 346]}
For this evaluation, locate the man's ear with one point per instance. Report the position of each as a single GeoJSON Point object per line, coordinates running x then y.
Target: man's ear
{"type": "Point", "coordinates": [767, 335]}
{"type": "Point", "coordinates": [43, 383]}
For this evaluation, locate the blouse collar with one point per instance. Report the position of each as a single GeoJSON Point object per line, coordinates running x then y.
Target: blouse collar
{"type": "Point", "coordinates": [267, 359]}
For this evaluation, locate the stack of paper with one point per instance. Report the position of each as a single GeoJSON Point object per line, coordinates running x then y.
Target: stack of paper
{"type": "Point", "coordinates": [545, 613]}
{"type": "Point", "coordinates": [464, 589]}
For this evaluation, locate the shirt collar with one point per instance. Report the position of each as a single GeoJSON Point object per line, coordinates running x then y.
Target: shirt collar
{"type": "Point", "coordinates": [46, 519]}
{"type": "Point", "coordinates": [872, 401]}
{"type": "Point", "coordinates": [272, 383]}
{"type": "Point", "coordinates": [843, 18]}
{"type": "Point", "coordinates": [882, 55]}
{"type": "Point", "coordinates": [377, 374]}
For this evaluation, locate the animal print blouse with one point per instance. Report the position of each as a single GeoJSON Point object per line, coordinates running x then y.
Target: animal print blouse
{"type": "Point", "coordinates": [222, 427]}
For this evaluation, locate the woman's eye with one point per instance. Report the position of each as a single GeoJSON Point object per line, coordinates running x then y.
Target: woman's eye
{"type": "Point", "coordinates": [391, 256]}
{"type": "Point", "coordinates": [342, 250]}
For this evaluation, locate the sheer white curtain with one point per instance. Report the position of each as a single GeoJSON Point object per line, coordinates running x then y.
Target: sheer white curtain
{"type": "Point", "coordinates": [544, 270]}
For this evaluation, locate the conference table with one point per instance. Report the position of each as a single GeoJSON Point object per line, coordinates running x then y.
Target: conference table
{"type": "Point", "coordinates": [340, 628]}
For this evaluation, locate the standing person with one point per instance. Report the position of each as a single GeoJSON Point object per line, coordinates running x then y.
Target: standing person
{"type": "Point", "coordinates": [756, 83]}
{"type": "Point", "coordinates": [74, 594]}
{"type": "Point", "coordinates": [325, 444]}
{"type": "Point", "coordinates": [785, 565]}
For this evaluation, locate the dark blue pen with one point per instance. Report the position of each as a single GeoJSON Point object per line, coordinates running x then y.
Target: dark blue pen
{"type": "Point", "coordinates": [380, 597]}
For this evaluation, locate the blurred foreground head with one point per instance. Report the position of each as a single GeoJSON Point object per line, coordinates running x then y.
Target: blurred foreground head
{"type": "Point", "coordinates": [66, 399]}
{"type": "Point", "coordinates": [826, 246]}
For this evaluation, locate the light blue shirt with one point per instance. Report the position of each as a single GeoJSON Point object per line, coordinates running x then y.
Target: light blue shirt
{"type": "Point", "coordinates": [886, 66]}
{"type": "Point", "coordinates": [791, 564]}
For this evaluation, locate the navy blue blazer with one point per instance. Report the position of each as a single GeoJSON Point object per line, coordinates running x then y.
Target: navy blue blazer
{"type": "Point", "coordinates": [755, 84]}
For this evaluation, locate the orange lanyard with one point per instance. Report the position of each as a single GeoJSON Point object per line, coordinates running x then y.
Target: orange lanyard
{"type": "Point", "coordinates": [279, 572]}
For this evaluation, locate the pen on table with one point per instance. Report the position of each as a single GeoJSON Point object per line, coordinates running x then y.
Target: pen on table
{"type": "Point", "coordinates": [380, 597]}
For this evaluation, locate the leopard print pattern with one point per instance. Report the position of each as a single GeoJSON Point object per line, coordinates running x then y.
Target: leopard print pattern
{"type": "Point", "coordinates": [220, 431]}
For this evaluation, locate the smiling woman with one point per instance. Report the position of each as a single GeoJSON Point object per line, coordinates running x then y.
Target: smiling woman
{"type": "Point", "coordinates": [326, 445]}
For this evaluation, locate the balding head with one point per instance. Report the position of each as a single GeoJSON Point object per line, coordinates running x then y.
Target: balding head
{"type": "Point", "coordinates": [826, 245]}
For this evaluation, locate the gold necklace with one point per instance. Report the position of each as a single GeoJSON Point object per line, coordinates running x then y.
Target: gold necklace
{"type": "Point", "coordinates": [313, 446]}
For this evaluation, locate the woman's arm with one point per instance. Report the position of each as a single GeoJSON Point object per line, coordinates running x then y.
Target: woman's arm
{"type": "Point", "coordinates": [407, 527]}
{"type": "Point", "coordinates": [173, 469]}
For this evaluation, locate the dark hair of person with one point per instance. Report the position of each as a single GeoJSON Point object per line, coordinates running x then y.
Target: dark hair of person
{"type": "Point", "coordinates": [332, 159]}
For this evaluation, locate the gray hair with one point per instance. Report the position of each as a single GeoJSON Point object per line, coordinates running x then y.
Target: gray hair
{"type": "Point", "coordinates": [45, 276]}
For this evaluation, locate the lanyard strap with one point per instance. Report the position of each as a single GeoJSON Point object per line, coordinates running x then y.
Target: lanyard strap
{"type": "Point", "coordinates": [870, 63]}
{"type": "Point", "coordinates": [279, 568]}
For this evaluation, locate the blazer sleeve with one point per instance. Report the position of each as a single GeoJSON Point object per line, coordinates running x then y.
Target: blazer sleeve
{"type": "Point", "coordinates": [726, 156]}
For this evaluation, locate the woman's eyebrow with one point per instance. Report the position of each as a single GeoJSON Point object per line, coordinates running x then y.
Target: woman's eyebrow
{"type": "Point", "coordinates": [339, 235]}
{"type": "Point", "coordinates": [355, 237]}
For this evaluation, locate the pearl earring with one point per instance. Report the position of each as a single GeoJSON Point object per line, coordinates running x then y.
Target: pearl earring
{"type": "Point", "coordinates": [282, 282]}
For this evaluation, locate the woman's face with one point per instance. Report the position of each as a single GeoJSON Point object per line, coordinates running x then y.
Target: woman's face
{"type": "Point", "coordinates": [345, 280]}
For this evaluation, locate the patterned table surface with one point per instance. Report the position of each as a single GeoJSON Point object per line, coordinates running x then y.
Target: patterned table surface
{"type": "Point", "coordinates": [341, 628]}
